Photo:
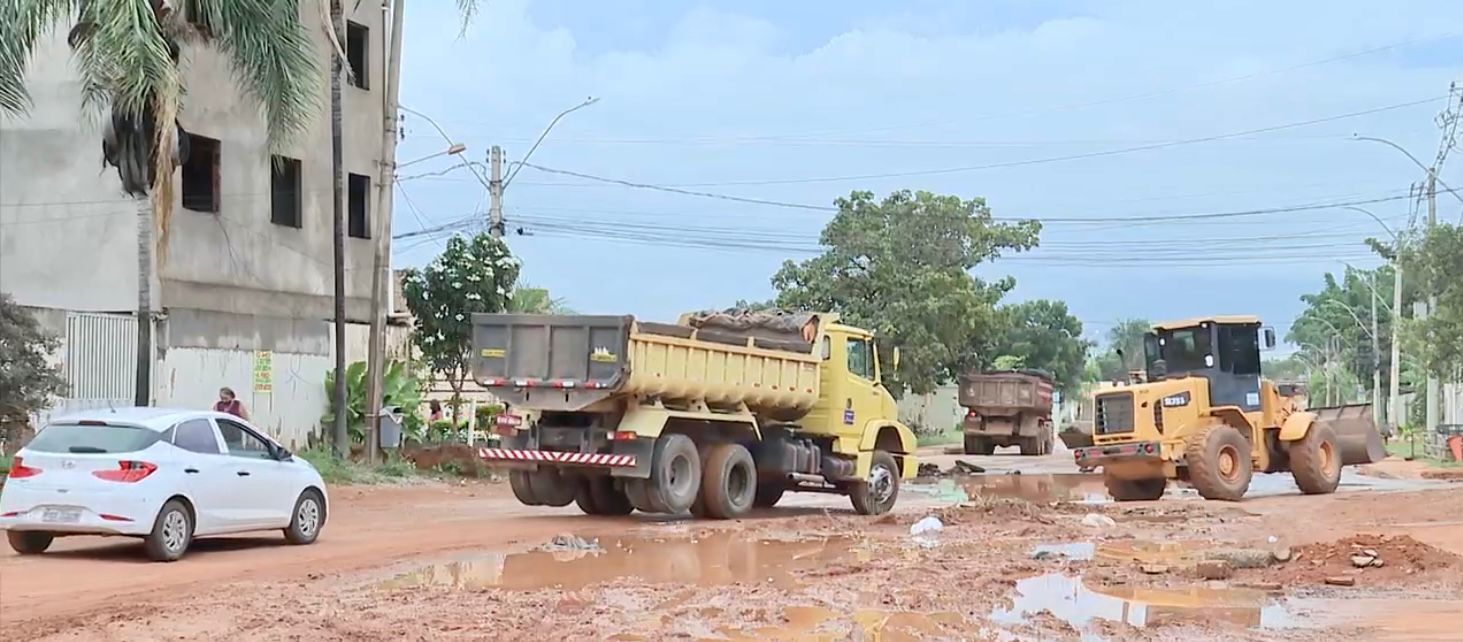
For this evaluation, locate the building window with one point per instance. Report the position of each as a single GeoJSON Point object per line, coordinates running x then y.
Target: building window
{"type": "Point", "coordinates": [200, 175]}
{"type": "Point", "coordinates": [357, 45]}
{"type": "Point", "coordinates": [360, 204]}
{"type": "Point", "coordinates": [284, 192]}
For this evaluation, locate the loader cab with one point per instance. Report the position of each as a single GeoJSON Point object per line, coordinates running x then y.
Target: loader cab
{"type": "Point", "coordinates": [1223, 350]}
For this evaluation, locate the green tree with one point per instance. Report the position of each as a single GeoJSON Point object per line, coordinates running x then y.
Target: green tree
{"type": "Point", "coordinates": [901, 267]}
{"type": "Point", "coordinates": [127, 54]}
{"type": "Point", "coordinates": [531, 300]}
{"type": "Point", "coordinates": [471, 275]}
{"type": "Point", "coordinates": [1435, 264]}
{"type": "Point", "coordinates": [1042, 334]}
{"type": "Point", "coordinates": [27, 381]}
{"type": "Point", "coordinates": [1337, 319]}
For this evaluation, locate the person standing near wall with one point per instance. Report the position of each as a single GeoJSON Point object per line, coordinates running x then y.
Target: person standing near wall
{"type": "Point", "coordinates": [229, 403]}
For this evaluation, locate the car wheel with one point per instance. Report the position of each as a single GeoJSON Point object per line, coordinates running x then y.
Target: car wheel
{"type": "Point", "coordinates": [308, 518]}
{"type": "Point", "coordinates": [172, 532]}
{"type": "Point", "coordinates": [30, 542]}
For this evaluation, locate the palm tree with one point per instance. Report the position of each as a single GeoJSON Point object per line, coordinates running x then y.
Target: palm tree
{"type": "Point", "coordinates": [126, 53]}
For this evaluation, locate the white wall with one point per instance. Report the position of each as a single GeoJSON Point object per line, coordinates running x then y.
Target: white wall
{"type": "Point", "coordinates": [191, 377]}
{"type": "Point", "coordinates": [935, 412]}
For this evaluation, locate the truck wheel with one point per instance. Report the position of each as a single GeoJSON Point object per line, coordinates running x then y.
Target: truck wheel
{"type": "Point", "coordinates": [1315, 462]}
{"type": "Point", "coordinates": [1219, 463]}
{"type": "Point", "coordinates": [638, 492]}
{"type": "Point", "coordinates": [675, 474]}
{"type": "Point", "coordinates": [552, 487]}
{"type": "Point", "coordinates": [768, 493]}
{"type": "Point", "coordinates": [1134, 490]}
{"type": "Point", "coordinates": [518, 480]}
{"type": "Point", "coordinates": [877, 494]}
{"type": "Point", "coordinates": [1035, 446]}
{"type": "Point", "coordinates": [728, 481]}
{"type": "Point", "coordinates": [598, 496]}
{"type": "Point", "coordinates": [975, 445]}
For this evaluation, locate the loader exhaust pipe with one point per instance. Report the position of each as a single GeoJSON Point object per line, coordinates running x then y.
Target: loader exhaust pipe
{"type": "Point", "coordinates": [1357, 436]}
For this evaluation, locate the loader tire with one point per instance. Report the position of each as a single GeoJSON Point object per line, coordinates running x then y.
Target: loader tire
{"type": "Point", "coordinates": [1220, 468]}
{"type": "Point", "coordinates": [551, 487]}
{"type": "Point", "coordinates": [877, 494]}
{"type": "Point", "coordinates": [675, 474]}
{"type": "Point", "coordinates": [728, 482]}
{"type": "Point", "coordinates": [975, 445]}
{"type": "Point", "coordinates": [598, 496]}
{"type": "Point", "coordinates": [1315, 460]}
{"type": "Point", "coordinates": [518, 480]}
{"type": "Point", "coordinates": [1135, 490]}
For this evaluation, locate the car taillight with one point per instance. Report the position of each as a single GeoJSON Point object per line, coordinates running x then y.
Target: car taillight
{"type": "Point", "coordinates": [19, 470]}
{"type": "Point", "coordinates": [970, 414]}
{"type": "Point", "coordinates": [127, 471]}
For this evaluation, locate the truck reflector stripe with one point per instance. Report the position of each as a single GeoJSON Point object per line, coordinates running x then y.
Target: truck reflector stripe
{"type": "Point", "coordinates": [550, 456]}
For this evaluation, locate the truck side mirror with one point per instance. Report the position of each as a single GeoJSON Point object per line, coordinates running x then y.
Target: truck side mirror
{"type": "Point", "coordinates": [894, 359]}
{"type": "Point", "coordinates": [1269, 338]}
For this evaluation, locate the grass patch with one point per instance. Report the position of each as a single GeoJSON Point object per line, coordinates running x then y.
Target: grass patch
{"type": "Point", "coordinates": [335, 470]}
{"type": "Point", "coordinates": [952, 436]}
{"type": "Point", "coordinates": [1401, 448]}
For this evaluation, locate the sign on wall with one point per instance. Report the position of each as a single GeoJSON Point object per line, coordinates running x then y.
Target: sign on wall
{"type": "Point", "coordinates": [263, 372]}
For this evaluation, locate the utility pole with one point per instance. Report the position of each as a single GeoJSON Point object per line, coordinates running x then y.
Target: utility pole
{"type": "Point", "coordinates": [1376, 360]}
{"type": "Point", "coordinates": [1432, 300]}
{"type": "Point", "coordinates": [495, 192]}
{"type": "Point", "coordinates": [1396, 374]}
{"type": "Point", "coordinates": [380, 264]}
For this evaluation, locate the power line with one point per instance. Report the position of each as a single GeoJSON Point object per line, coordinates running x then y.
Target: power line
{"type": "Point", "coordinates": [674, 190]}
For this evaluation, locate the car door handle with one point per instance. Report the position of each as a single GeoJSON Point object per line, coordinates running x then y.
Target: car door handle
{"type": "Point", "coordinates": [191, 471]}
{"type": "Point", "coordinates": [242, 473]}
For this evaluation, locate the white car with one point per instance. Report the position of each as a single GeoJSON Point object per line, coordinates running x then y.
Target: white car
{"type": "Point", "coordinates": [164, 475]}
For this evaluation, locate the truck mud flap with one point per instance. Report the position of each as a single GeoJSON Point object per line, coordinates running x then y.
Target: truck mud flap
{"type": "Point", "coordinates": [1356, 433]}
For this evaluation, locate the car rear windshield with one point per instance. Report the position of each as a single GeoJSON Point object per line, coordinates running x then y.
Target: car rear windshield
{"type": "Point", "coordinates": [81, 439]}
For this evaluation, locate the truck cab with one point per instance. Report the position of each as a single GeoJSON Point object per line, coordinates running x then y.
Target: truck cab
{"type": "Point", "coordinates": [1225, 351]}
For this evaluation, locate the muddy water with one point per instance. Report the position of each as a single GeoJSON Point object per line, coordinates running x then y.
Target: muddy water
{"type": "Point", "coordinates": [715, 559]}
{"type": "Point", "coordinates": [1070, 599]}
{"type": "Point", "coordinates": [818, 623]}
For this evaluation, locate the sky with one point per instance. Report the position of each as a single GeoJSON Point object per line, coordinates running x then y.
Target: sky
{"type": "Point", "coordinates": [1109, 121]}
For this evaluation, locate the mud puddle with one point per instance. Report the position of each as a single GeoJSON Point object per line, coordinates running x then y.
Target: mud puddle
{"type": "Point", "coordinates": [710, 560]}
{"type": "Point", "coordinates": [1070, 599]}
{"type": "Point", "coordinates": [818, 623]}
{"type": "Point", "coordinates": [1045, 488]}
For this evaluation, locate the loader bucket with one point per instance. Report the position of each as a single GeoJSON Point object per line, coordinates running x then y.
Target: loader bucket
{"type": "Point", "coordinates": [1356, 433]}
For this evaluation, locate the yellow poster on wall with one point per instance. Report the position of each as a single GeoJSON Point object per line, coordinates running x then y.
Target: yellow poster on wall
{"type": "Point", "coordinates": [263, 372]}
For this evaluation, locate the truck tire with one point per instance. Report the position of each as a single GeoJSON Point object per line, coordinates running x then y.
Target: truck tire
{"type": "Point", "coordinates": [976, 445]}
{"type": "Point", "coordinates": [1219, 462]}
{"type": "Point", "coordinates": [877, 494]}
{"type": "Point", "coordinates": [518, 480]}
{"type": "Point", "coordinates": [1035, 446]}
{"type": "Point", "coordinates": [769, 492]}
{"type": "Point", "coordinates": [675, 474]}
{"type": "Point", "coordinates": [598, 496]}
{"type": "Point", "coordinates": [638, 492]}
{"type": "Point", "coordinates": [1315, 461]}
{"type": "Point", "coordinates": [551, 487]}
{"type": "Point", "coordinates": [728, 481]}
{"type": "Point", "coordinates": [1135, 490]}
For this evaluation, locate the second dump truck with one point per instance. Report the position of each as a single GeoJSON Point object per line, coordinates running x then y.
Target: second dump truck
{"type": "Point", "coordinates": [715, 414]}
{"type": "Point", "coordinates": [1007, 409]}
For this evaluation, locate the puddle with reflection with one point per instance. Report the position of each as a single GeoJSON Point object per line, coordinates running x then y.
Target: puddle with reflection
{"type": "Point", "coordinates": [1075, 551]}
{"type": "Point", "coordinates": [715, 559]}
{"type": "Point", "coordinates": [1071, 600]}
{"type": "Point", "coordinates": [1078, 488]}
{"type": "Point", "coordinates": [818, 623]}
{"type": "Point", "coordinates": [1173, 553]}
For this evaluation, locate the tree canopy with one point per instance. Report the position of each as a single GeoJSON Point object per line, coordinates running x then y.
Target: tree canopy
{"type": "Point", "coordinates": [1335, 326]}
{"type": "Point", "coordinates": [1042, 334]}
{"type": "Point", "coordinates": [901, 267]}
{"type": "Point", "coordinates": [1435, 265]}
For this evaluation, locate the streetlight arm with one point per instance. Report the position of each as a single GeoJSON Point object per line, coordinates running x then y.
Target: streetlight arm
{"type": "Point", "coordinates": [1431, 172]}
{"type": "Point", "coordinates": [589, 101]}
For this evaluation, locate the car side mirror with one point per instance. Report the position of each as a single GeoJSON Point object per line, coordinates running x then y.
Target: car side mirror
{"type": "Point", "coordinates": [282, 454]}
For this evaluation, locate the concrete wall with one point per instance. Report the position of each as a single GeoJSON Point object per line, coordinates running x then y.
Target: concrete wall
{"type": "Point", "coordinates": [68, 233]}
{"type": "Point", "coordinates": [932, 413]}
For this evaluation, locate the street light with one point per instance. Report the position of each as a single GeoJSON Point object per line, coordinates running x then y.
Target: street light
{"type": "Point", "coordinates": [1431, 171]}
{"type": "Point", "coordinates": [1394, 386]}
{"type": "Point", "coordinates": [455, 150]}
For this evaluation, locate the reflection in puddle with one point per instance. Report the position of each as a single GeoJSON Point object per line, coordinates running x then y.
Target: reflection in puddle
{"type": "Point", "coordinates": [1075, 551]}
{"type": "Point", "coordinates": [818, 623]}
{"type": "Point", "coordinates": [1072, 601]}
{"type": "Point", "coordinates": [1042, 489]}
{"type": "Point", "coordinates": [716, 559]}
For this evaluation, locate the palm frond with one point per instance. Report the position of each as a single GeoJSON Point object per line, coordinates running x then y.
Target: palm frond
{"type": "Point", "coordinates": [22, 24]}
{"type": "Point", "coordinates": [123, 54]}
{"type": "Point", "coordinates": [273, 58]}
{"type": "Point", "coordinates": [467, 10]}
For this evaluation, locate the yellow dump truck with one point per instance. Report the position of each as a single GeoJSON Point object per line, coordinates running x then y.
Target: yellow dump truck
{"type": "Point", "coordinates": [715, 414]}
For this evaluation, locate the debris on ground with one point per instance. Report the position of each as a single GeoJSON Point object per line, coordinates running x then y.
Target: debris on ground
{"type": "Point", "coordinates": [963, 467]}
{"type": "Point", "coordinates": [929, 470]}
{"type": "Point", "coordinates": [1242, 557]}
{"type": "Point", "coordinates": [1384, 558]}
{"type": "Point", "coordinates": [1214, 570]}
{"type": "Point", "coordinates": [1098, 520]}
{"type": "Point", "coordinates": [570, 543]}
{"type": "Point", "coordinates": [1340, 580]}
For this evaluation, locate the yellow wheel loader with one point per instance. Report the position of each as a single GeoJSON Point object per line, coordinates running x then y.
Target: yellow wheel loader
{"type": "Point", "coordinates": [1208, 417]}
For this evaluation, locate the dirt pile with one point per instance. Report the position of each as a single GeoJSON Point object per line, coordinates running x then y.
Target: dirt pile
{"type": "Point", "coordinates": [1401, 557]}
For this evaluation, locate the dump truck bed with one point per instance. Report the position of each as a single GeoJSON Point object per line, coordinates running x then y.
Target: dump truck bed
{"type": "Point", "coordinates": [1006, 393]}
{"type": "Point", "coordinates": [571, 362]}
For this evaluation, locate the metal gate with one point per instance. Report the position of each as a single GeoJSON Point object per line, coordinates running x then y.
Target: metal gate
{"type": "Point", "coordinates": [100, 362]}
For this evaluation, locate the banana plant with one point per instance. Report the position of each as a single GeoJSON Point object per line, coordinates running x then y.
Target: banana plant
{"type": "Point", "coordinates": [400, 387]}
